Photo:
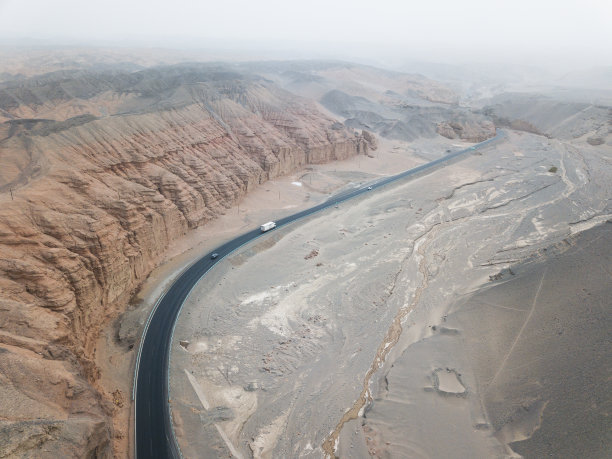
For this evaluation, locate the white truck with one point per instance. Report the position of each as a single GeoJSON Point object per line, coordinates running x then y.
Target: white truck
{"type": "Point", "coordinates": [267, 226]}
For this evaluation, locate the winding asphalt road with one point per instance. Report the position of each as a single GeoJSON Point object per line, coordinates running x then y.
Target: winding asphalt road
{"type": "Point", "coordinates": [152, 419]}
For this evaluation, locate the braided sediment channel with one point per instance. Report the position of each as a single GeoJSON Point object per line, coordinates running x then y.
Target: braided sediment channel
{"type": "Point", "coordinates": [391, 338]}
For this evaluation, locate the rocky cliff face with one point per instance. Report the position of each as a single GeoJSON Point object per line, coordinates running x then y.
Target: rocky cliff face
{"type": "Point", "coordinates": [104, 173]}
{"type": "Point", "coordinates": [472, 129]}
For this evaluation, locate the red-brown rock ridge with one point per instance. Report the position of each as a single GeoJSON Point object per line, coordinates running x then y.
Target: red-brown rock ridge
{"type": "Point", "coordinates": [93, 212]}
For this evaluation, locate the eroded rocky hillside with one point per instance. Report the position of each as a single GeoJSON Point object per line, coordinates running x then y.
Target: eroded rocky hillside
{"type": "Point", "coordinates": [100, 172]}
{"type": "Point", "coordinates": [553, 116]}
{"type": "Point", "coordinates": [395, 105]}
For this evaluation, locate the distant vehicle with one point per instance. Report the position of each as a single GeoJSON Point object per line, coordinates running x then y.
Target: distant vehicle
{"type": "Point", "coordinates": [472, 148]}
{"type": "Point", "coordinates": [369, 188]}
{"type": "Point", "coordinates": [214, 255]}
{"type": "Point", "coordinates": [267, 226]}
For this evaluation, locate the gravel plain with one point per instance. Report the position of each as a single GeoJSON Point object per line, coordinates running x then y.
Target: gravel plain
{"type": "Point", "coordinates": [351, 332]}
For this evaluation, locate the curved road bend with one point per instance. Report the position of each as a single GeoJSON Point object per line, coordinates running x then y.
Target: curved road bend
{"type": "Point", "coordinates": [154, 437]}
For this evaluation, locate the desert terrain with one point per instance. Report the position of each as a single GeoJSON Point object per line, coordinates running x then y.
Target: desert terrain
{"type": "Point", "coordinates": [103, 171]}
{"type": "Point", "coordinates": [370, 344]}
{"type": "Point", "coordinates": [453, 314]}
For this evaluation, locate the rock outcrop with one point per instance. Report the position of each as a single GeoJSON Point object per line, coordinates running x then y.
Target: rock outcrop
{"type": "Point", "coordinates": [105, 173]}
{"type": "Point", "coordinates": [470, 129]}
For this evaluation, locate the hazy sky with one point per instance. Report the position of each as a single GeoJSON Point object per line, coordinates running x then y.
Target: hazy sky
{"type": "Point", "coordinates": [447, 30]}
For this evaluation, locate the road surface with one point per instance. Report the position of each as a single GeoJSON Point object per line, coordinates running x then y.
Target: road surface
{"type": "Point", "coordinates": [154, 435]}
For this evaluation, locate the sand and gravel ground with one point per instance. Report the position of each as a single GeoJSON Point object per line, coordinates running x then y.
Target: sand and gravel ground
{"type": "Point", "coordinates": [115, 355]}
{"type": "Point", "coordinates": [316, 338]}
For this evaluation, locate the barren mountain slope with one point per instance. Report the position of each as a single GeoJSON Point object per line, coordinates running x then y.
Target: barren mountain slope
{"type": "Point", "coordinates": [106, 170]}
{"type": "Point", "coordinates": [553, 116]}
{"type": "Point", "coordinates": [395, 105]}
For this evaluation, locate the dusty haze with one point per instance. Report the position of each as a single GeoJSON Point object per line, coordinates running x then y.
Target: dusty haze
{"type": "Point", "coordinates": [560, 34]}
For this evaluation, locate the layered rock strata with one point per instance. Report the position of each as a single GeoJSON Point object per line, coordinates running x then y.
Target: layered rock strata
{"type": "Point", "coordinates": [106, 171]}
